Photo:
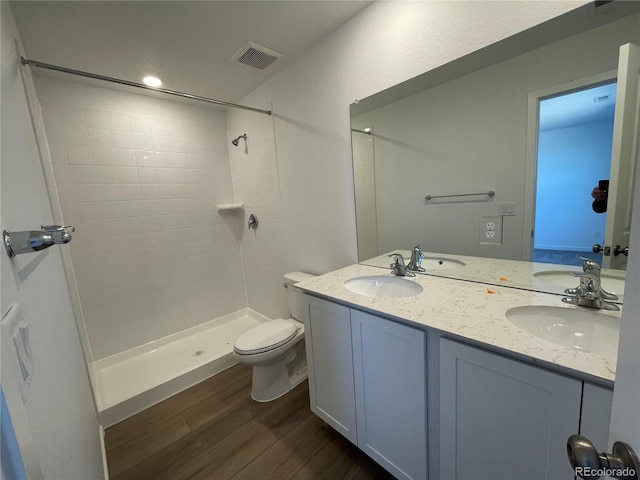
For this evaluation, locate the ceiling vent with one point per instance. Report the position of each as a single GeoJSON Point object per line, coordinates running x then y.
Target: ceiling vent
{"type": "Point", "coordinates": [256, 56]}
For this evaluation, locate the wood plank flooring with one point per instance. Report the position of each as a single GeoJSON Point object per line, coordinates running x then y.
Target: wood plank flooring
{"type": "Point", "coordinates": [214, 430]}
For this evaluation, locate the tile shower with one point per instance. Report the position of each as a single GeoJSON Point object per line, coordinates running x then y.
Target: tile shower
{"type": "Point", "coordinates": [140, 177]}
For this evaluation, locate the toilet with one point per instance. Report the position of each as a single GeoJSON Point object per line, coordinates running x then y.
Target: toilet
{"type": "Point", "coordinates": [275, 348]}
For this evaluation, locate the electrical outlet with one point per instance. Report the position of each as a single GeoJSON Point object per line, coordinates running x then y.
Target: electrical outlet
{"type": "Point", "coordinates": [491, 230]}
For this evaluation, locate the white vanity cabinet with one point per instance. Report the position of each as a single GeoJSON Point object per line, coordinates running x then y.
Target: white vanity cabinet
{"type": "Point", "coordinates": [503, 419]}
{"type": "Point", "coordinates": [367, 379]}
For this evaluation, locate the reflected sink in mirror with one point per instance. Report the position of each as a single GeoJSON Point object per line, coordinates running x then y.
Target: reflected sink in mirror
{"type": "Point", "coordinates": [440, 263]}
{"type": "Point", "coordinates": [383, 286]}
{"type": "Point", "coordinates": [564, 278]}
{"type": "Point", "coordinates": [581, 329]}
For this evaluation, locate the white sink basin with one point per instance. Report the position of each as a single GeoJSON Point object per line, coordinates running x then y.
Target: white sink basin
{"type": "Point", "coordinates": [581, 329]}
{"type": "Point", "coordinates": [383, 286]}
{"type": "Point", "coordinates": [440, 263]}
{"type": "Point", "coordinates": [564, 278]}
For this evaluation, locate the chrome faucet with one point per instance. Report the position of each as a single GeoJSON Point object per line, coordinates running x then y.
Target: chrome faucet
{"type": "Point", "coordinates": [416, 258]}
{"type": "Point", "coordinates": [590, 293]}
{"type": "Point", "coordinates": [399, 268]}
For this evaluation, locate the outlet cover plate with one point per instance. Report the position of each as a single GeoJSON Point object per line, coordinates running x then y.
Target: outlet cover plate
{"type": "Point", "coordinates": [491, 230]}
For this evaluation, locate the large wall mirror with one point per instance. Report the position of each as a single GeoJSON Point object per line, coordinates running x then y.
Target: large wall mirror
{"type": "Point", "coordinates": [497, 154]}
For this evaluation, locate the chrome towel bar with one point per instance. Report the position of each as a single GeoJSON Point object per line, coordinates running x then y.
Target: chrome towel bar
{"type": "Point", "coordinates": [490, 193]}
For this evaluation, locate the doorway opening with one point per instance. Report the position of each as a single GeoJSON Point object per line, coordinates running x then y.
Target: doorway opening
{"type": "Point", "coordinates": [575, 133]}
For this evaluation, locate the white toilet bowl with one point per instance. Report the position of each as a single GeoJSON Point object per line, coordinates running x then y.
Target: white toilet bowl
{"type": "Point", "coordinates": [275, 349]}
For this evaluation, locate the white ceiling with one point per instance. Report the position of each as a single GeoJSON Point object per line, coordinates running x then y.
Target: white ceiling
{"type": "Point", "coordinates": [188, 44]}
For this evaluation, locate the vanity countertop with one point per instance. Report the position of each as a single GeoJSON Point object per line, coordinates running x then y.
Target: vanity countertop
{"type": "Point", "coordinates": [472, 311]}
{"type": "Point", "coordinates": [495, 271]}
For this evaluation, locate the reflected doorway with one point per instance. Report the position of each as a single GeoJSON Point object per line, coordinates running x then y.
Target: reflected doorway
{"type": "Point", "coordinates": [575, 133]}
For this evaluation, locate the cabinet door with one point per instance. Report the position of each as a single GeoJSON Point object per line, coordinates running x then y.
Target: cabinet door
{"type": "Point", "coordinates": [503, 419]}
{"type": "Point", "coordinates": [389, 368]}
{"type": "Point", "coordinates": [596, 415]}
{"type": "Point", "coordinates": [330, 363]}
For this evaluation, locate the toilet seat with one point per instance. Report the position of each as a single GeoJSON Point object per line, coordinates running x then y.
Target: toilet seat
{"type": "Point", "coordinates": [265, 337]}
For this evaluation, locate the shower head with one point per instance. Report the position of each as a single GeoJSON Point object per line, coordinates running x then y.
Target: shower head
{"type": "Point", "coordinates": [236, 140]}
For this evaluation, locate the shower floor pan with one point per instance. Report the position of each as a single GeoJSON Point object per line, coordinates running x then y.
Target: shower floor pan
{"type": "Point", "coordinates": [131, 381]}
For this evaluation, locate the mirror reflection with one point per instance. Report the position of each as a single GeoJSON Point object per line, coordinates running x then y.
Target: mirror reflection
{"type": "Point", "coordinates": [498, 163]}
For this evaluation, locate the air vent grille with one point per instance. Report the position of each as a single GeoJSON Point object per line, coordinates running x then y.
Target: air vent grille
{"type": "Point", "coordinates": [256, 56]}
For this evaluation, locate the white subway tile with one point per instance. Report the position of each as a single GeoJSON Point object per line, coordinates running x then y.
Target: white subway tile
{"type": "Point", "coordinates": [71, 115]}
{"type": "Point", "coordinates": [141, 141]}
{"type": "Point", "coordinates": [139, 124]}
{"type": "Point", "coordinates": [175, 129]}
{"type": "Point", "coordinates": [106, 174]}
{"type": "Point", "coordinates": [178, 144]}
{"type": "Point", "coordinates": [110, 192]}
{"type": "Point", "coordinates": [131, 192]}
{"type": "Point", "coordinates": [125, 157]}
{"type": "Point", "coordinates": [163, 159]}
{"type": "Point", "coordinates": [55, 133]}
{"type": "Point", "coordinates": [158, 126]}
{"type": "Point", "coordinates": [161, 143]}
{"type": "Point", "coordinates": [82, 174]}
{"type": "Point", "coordinates": [79, 155]}
{"type": "Point", "coordinates": [58, 153]}
{"type": "Point", "coordinates": [66, 194]}
{"type": "Point", "coordinates": [103, 156]}
{"type": "Point", "coordinates": [148, 175]}
{"type": "Point", "coordinates": [128, 174]}
{"type": "Point", "coordinates": [100, 137]}
{"type": "Point", "coordinates": [145, 158]}
{"type": "Point", "coordinates": [119, 121]}
{"type": "Point", "coordinates": [180, 160]}
{"type": "Point", "coordinates": [87, 193]}
{"type": "Point", "coordinates": [122, 139]}
{"type": "Point", "coordinates": [96, 118]}
{"type": "Point", "coordinates": [74, 135]}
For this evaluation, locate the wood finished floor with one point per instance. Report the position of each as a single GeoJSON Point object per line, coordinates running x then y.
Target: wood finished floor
{"type": "Point", "coordinates": [214, 430]}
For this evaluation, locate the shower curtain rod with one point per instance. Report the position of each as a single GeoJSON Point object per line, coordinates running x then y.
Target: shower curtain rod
{"type": "Point", "coordinates": [58, 68]}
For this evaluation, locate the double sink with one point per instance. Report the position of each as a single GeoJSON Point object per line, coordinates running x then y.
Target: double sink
{"type": "Point", "coordinates": [578, 328]}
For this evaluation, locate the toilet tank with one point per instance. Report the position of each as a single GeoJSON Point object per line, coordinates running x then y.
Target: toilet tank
{"type": "Point", "coordinates": [295, 294]}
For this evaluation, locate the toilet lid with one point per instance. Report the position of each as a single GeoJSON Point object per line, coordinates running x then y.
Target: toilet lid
{"type": "Point", "coordinates": [266, 337]}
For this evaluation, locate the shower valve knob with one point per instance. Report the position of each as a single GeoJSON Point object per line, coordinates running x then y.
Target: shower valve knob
{"type": "Point", "coordinates": [253, 221]}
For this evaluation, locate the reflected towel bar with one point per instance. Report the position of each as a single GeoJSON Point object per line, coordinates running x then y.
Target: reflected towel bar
{"type": "Point", "coordinates": [490, 193]}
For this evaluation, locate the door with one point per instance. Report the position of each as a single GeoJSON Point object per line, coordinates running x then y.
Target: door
{"type": "Point", "coordinates": [623, 154]}
{"type": "Point", "coordinates": [623, 151]}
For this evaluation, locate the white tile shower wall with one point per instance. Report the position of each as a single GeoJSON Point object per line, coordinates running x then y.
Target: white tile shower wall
{"type": "Point", "coordinates": [256, 183]}
{"type": "Point", "coordinates": [140, 178]}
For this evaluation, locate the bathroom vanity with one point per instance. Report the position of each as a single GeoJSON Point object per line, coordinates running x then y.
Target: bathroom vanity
{"type": "Point", "coordinates": [443, 384]}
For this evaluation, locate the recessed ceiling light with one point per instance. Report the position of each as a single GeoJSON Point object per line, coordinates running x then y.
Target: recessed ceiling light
{"type": "Point", "coordinates": [152, 81]}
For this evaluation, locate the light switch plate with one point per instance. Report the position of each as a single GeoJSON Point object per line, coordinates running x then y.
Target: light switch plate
{"type": "Point", "coordinates": [15, 339]}
{"type": "Point", "coordinates": [507, 208]}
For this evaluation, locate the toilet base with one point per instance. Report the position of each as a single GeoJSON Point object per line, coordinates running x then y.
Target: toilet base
{"type": "Point", "coordinates": [273, 381]}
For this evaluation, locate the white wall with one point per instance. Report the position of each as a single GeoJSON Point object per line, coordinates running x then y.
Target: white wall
{"type": "Point", "coordinates": [570, 162]}
{"type": "Point", "coordinates": [387, 43]}
{"type": "Point", "coordinates": [256, 183]}
{"type": "Point", "coordinates": [59, 414]}
{"type": "Point", "coordinates": [140, 177]}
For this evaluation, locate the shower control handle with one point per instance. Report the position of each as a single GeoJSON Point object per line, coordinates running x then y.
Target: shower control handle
{"type": "Point", "coordinates": [253, 221]}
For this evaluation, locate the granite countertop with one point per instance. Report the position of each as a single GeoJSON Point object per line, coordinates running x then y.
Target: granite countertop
{"type": "Point", "coordinates": [472, 311]}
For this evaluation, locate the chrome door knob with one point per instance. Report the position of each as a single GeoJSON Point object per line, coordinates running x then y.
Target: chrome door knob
{"type": "Point", "coordinates": [587, 463]}
{"type": "Point", "coordinates": [619, 250]}
{"type": "Point", "coordinates": [597, 248]}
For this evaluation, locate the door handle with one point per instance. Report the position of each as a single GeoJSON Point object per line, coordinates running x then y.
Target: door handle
{"type": "Point", "coordinates": [619, 250]}
{"type": "Point", "coordinates": [597, 248]}
{"type": "Point", "coordinates": [587, 463]}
